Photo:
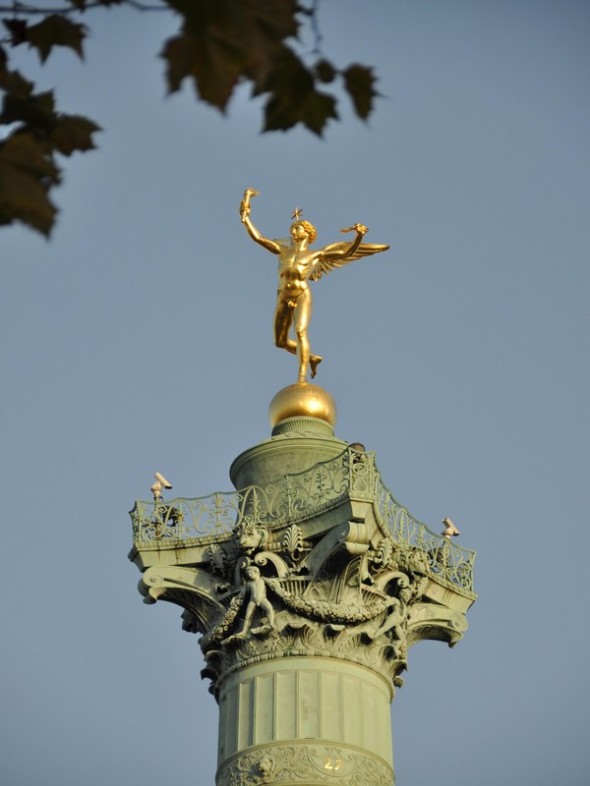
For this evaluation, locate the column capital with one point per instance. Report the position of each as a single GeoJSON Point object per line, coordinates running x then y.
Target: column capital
{"type": "Point", "coordinates": [323, 562]}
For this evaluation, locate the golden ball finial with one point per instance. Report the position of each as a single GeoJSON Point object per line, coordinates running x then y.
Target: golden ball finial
{"type": "Point", "coordinates": [302, 400]}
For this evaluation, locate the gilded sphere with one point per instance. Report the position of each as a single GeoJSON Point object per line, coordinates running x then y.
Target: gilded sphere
{"type": "Point", "coordinates": [302, 400]}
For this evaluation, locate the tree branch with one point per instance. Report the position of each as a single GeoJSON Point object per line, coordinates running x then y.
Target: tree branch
{"type": "Point", "coordinates": [21, 9]}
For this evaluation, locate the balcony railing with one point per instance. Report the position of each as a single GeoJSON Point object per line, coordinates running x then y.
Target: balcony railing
{"type": "Point", "coordinates": [182, 522]}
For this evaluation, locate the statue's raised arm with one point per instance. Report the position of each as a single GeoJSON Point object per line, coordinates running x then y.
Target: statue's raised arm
{"type": "Point", "coordinates": [298, 264]}
{"type": "Point", "coordinates": [245, 208]}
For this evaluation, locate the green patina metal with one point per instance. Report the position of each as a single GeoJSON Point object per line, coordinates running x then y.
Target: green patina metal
{"type": "Point", "coordinates": [294, 499]}
{"type": "Point", "coordinates": [308, 585]}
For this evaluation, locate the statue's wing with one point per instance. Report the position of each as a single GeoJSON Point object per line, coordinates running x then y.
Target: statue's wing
{"type": "Point", "coordinates": [332, 256]}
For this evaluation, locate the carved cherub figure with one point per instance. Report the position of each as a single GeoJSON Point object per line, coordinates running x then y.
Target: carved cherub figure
{"type": "Point", "coordinates": [298, 264]}
{"type": "Point", "coordinates": [394, 620]}
{"type": "Point", "coordinates": [255, 592]}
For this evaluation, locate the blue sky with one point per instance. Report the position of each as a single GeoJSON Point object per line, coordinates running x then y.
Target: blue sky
{"type": "Point", "coordinates": [139, 338]}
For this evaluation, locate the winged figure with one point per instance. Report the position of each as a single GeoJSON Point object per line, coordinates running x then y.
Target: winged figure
{"type": "Point", "coordinates": [299, 264]}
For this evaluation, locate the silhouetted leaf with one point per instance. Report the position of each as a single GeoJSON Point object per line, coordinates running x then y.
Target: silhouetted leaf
{"type": "Point", "coordinates": [225, 41]}
{"type": "Point", "coordinates": [15, 85]}
{"type": "Point", "coordinates": [17, 29]}
{"type": "Point", "coordinates": [313, 109]}
{"type": "Point", "coordinates": [73, 132]}
{"type": "Point", "coordinates": [325, 71]}
{"type": "Point", "coordinates": [220, 43]}
{"type": "Point", "coordinates": [273, 20]}
{"type": "Point", "coordinates": [56, 30]}
{"type": "Point", "coordinates": [26, 174]}
{"type": "Point", "coordinates": [359, 81]}
{"type": "Point", "coordinates": [294, 98]}
{"type": "Point", "coordinates": [28, 170]}
{"type": "Point", "coordinates": [213, 72]}
{"type": "Point", "coordinates": [34, 109]}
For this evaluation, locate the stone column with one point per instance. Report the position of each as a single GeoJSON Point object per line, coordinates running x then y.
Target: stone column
{"type": "Point", "coordinates": [305, 720]}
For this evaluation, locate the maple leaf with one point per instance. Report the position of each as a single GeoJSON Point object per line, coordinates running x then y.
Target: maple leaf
{"type": "Point", "coordinates": [294, 99]}
{"type": "Point", "coordinates": [359, 81]}
{"type": "Point", "coordinates": [28, 170]}
{"type": "Point", "coordinates": [73, 132]}
{"type": "Point", "coordinates": [14, 84]}
{"type": "Point", "coordinates": [56, 30]}
{"type": "Point", "coordinates": [26, 174]}
{"type": "Point", "coordinates": [212, 71]}
{"type": "Point", "coordinates": [225, 41]}
{"type": "Point", "coordinates": [36, 110]}
{"type": "Point", "coordinates": [17, 29]}
{"type": "Point", "coordinates": [220, 43]}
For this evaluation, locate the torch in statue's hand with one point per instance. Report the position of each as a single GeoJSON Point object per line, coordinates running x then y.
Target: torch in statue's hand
{"type": "Point", "coordinates": [245, 206]}
{"type": "Point", "coordinates": [360, 228]}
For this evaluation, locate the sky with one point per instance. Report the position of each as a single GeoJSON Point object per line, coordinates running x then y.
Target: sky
{"type": "Point", "coordinates": [139, 339]}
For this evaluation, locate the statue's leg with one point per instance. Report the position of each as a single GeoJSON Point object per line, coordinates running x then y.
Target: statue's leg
{"type": "Point", "coordinates": [267, 606]}
{"type": "Point", "coordinates": [248, 617]}
{"type": "Point", "coordinates": [302, 353]}
{"type": "Point", "coordinates": [283, 322]}
{"type": "Point", "coordinates": [302, 319]}
{"type": "Point", "coordinates": [301, 322]}
{"type": "Point", "coordinates": [314, 361]}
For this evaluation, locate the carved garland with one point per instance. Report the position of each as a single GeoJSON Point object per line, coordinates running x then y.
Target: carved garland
{"type": "Point", "coordinates": [325, 611]}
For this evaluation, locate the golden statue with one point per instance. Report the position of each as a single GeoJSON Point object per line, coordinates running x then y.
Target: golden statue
{"type": "Point", "coordinates": [299, 264]}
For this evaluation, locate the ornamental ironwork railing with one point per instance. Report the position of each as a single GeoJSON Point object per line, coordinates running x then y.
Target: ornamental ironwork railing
{"type": "Point", "coordinates": [437, 554]}
{"type": "Point", "coordinates": [183, 522]}
{"type": "Point", "coordinates": [444, 559]}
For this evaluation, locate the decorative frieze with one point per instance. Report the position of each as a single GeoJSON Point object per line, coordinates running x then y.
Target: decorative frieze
{"type": "Point", "coordinates": [304, 764]}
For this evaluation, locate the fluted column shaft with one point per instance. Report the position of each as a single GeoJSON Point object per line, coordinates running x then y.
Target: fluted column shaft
{"type": "Point", "coordinates": [305, 721]}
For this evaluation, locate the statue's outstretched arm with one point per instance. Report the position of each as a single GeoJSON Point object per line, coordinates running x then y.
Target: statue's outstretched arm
{"type": "Point", "coordinates": [338, 254]}
{"type": "Point", "coordinates": [361, 230]}
{"type": "Point", "coordinates": [245, 207]}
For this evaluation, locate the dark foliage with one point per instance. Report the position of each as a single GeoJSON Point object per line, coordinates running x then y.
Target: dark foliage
{"type": "Point", "coordinates": [220, 44]}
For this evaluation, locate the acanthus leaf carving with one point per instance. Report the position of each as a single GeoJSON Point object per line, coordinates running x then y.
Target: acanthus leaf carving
{"type": "Point", "coordinates": [343, 590]}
